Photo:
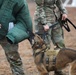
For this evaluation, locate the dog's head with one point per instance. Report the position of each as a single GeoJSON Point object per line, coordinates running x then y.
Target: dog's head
{"type": "Point", "coordinates": [38, 42]}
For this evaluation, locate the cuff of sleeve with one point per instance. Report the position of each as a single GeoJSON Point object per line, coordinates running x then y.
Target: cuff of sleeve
{"type": "Point", "coordinates": [49, 24]}
{"type": "Point", "coordinates": [64, 12]}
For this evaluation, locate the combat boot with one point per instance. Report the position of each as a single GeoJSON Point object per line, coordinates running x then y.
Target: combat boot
{"type": "Point", "coordinates": [59, 72]}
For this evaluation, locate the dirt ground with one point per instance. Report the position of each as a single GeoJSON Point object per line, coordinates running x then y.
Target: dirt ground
{"type": "Point", "coordinates": [25, 49]}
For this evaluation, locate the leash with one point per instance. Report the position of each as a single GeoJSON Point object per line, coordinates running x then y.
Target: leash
{"type": "Point", "coordinates": [66, 26]}
{"type": "Point", "coordinates": [71, 23]}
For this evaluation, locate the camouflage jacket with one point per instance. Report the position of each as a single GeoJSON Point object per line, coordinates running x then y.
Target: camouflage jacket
{"type": "Point", "coordinates": [48, 10]}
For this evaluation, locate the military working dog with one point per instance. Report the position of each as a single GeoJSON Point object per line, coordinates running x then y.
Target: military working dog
{"type": "Point", "coordinates": [62, 59]}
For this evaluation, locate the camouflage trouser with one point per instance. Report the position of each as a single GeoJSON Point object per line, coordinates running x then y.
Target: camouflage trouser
{"type": "Point", "coordinates": [54, 34]}
{"type": "Point", "coordinates": [11, 52]}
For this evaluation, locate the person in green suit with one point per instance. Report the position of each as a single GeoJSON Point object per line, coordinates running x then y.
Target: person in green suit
{"type": "Point", "coordinates": [15, 22]}
{"type": "Point", "coordinates": [47, 13]}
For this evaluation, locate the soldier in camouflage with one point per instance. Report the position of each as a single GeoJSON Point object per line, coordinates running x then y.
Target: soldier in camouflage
{"type": "Point", "coordinates": [47, 13]}
{"type": "Point", "coordinates": [13, 13]}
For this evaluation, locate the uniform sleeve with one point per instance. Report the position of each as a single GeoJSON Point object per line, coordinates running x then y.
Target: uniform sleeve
{"type": "Point", "coordinates": [40, 9]}
{"type": "Point", "coordinates": [23, 17]}
{"type": "Point", "coordinates": [61, 7]}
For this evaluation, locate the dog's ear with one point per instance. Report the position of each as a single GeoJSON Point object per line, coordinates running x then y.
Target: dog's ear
{"type": "Point", "coordinates": [38, 39]}
{"type": "Point", "coordinates": [37, 42]}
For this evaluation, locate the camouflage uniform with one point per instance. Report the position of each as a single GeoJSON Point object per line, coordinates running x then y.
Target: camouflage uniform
{"type": "Point", "coordinates": [48, 12]}
{"type": "Point", "coordinates": [11, 52]}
